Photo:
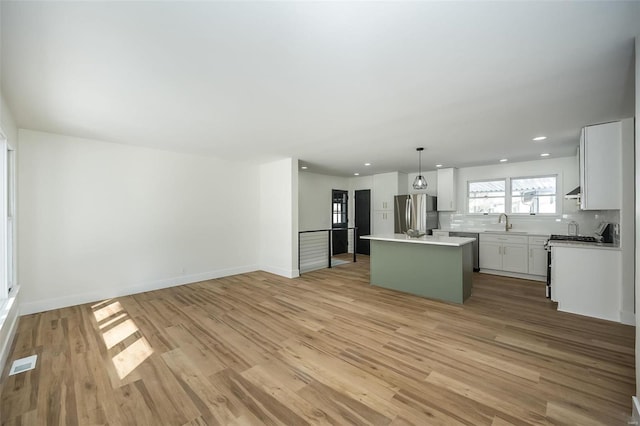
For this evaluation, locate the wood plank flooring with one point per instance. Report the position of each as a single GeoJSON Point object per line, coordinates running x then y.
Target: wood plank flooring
{"type": "Point", "coordinates": [326, 348]}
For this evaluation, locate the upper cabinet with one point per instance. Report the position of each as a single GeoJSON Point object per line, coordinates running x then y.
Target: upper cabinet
{"type": "Point", "coordinates": [385, 187]}
{"type": "Point", "coordinates": [601, 167]}
{"type": "Point", "coordinates": [447, 185]}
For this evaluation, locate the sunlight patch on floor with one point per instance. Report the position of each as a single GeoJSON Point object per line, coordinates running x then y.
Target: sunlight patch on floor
{"type": "Point", "coordinates": [109, 310]}
{"type": "Point", "coordinates": [118, 333]}
{"type": "Point", "coordinates": [130, 358]}
{"type": "Point", "coordinates": [116, 326]}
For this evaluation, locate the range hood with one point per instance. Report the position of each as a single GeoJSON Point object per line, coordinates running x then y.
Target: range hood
{"type": "Point", "coordinates": [573, 195]}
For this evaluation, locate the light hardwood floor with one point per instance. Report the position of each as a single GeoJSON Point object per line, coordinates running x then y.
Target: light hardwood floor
{"type": "Point", "coordinates": [325, 348]}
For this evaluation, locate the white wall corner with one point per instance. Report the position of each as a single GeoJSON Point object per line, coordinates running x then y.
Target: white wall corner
{"type": "Point", "coordinates": [637, 211]}
{"type": "Point", "coordinates": [295, 214]}
{"type": "Point", "coordinates": [278, 212]}
{"type": "Point", "coordinates": [287, 273]}
{"type": "Point", "coordinates": [635, 415]}
{"type": "Point", "coordinates": [628, 318]}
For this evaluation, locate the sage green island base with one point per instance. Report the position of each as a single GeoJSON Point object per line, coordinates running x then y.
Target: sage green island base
{"type": "Point", "coordinates": [436, 271]}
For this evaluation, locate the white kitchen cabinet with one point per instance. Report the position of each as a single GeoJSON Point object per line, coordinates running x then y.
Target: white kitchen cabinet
{"type": "Point", "coordinates": [514, 258]}
{"type": "Point", "coordinates": [600, 167]}
{"type": "Point", "coordinates": [587, 281]}
{"type": "Point", "coordinates": [537, 256]}
{"type": "Point", "coordinates": [503, 252]}
{"type": "Point", "coordinates": [447, 189]}
{"type": "Point", "coordinates": [385, 187]}
{"type": "Point", "coordinates": [490, 255]}
{"type": "Point", "coordinates": [383, 222]}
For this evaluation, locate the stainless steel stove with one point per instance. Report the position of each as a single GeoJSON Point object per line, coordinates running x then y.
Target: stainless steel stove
{"type": "Point", "coordinates": [578, 238]}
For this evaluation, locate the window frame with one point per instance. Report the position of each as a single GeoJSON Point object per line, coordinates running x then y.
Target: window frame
{"type": "Point", "coordinates": [553, 175]}
{"type": "Point", "coordinates": [339, 209]}
{"type": "Point", "coordinates": [469, 182]}
{"type": "Point", "coordinates": [8, 231]}
{"type": "Point", "coordinates": [508, 195]}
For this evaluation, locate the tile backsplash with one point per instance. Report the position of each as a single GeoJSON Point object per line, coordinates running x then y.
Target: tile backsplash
{"type": "Point", "coordinates": [587, 222]}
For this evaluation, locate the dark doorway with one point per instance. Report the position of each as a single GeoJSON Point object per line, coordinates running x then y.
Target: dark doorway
{"type": "Point", "coordinates": [339, 220]}
{"type": "Point", "coordinates": [363, 219]}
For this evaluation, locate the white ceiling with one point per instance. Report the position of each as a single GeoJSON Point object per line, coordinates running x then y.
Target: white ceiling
{"type": "Point", "coordinates": [334, 84]}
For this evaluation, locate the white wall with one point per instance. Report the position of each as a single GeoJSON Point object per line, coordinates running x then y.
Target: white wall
{"type": "Point", "coordinates": [315, 199]}
{"type": "Point", "coordinates": [278, 225]}
{"type": "Point", "coordinates": [99, 219]}
{"type": "Point", "coordinates": [627, 224]}
{"type": "Point", "coordinates": [637, 215]}
{"type": "Point", "coordinates": [7, 122]}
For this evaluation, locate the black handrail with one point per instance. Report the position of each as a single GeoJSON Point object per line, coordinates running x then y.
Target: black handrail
{"type": "Point", "coordinates": [329, 232]}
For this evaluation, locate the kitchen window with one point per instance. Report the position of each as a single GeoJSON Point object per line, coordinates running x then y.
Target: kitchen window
{"type": "Point", "coordinates": [518, 195]}
{"type": "Point", "coordinates": [534, 195]}
{"type": "Point", "coordinates": [487, 196]}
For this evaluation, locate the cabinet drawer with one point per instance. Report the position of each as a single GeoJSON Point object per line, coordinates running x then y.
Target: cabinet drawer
{"type": "Point", "coordinates": [503, 239]}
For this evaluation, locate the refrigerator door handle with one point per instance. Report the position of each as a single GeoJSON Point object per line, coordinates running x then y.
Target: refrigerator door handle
{"type": "Point", "coordinates": [408, 213]}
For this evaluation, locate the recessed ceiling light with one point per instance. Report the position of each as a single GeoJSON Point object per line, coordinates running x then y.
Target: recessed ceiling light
{"type": "Point", "coordinates": [304, 167]}
{"type": "Point", "coordinates": [544, 154]}
{"type": "Point", "coordinates": [356, 174]}
{"type": "Point", "coordinates": [438, 165]}
{"type": "Point", "coordinates": [503, 160]}
{"type": "Point", "coordinates": [539, 138]}
{"type": "Point", "coordinates": [367, 164]}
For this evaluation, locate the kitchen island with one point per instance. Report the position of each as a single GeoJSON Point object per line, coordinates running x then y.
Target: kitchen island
{"type": "Point", "coordinates": [430, 266]}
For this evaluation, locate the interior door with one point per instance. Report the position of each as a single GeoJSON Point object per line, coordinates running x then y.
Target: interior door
{"type": "Point", "coordinates": [363, 219]}
{"type": "Point", "coordinates": [339, 221]}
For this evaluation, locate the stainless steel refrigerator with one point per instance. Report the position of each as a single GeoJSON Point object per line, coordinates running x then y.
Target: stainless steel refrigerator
{"type": "Point", "coordinates": [416, 211]}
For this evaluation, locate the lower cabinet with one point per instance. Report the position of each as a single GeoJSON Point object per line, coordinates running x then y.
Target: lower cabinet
{"type": "Point", "coordinates": [490, 254]}
{"type": "Point", "coordinates": [514, 258]}
{"type": "Point", "coordinates": [382, 222]}
{"type": "Point", "coordinates": [537, 256]}
{"type": "Point", "coordinates": [504, 253]}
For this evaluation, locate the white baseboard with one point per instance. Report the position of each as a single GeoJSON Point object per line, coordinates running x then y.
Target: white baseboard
{"type": "Point", "coordinates": [514, 275]}
{"type": "Point", "coordinates": [287, 273]}
{"type": "Point", "coordinates": [611, 318]}
{"type": "Point", "coordinates": [628, 318]}
{"type": "Point", "coordinates": [635, 416]}
{"type": "Point", "coordinates": [107, 293]}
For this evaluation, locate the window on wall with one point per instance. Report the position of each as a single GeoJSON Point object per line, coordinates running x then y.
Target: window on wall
{"type": "Point", "coordinates": [533, 195]}
{"type": "Point", "coordinates": [487, 196]}
{"type": "Point", "coordinates": [7, 234]}
{"type": "Point", "coordinates": [519, 195]}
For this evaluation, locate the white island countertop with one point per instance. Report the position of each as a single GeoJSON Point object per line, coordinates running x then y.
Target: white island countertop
{"type": "Point", "coordinates": [427, 239]}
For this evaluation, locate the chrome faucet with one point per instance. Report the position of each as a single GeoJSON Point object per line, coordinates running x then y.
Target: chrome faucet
{"type": "Point", "coordinates": [507, 225]}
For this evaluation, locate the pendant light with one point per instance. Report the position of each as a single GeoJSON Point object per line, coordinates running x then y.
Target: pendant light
{"type": "Point", "coordinates": [420, 182]}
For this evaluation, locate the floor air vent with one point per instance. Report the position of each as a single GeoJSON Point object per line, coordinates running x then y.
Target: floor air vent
{"type": "Point", "coordinates": [23, 364]}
